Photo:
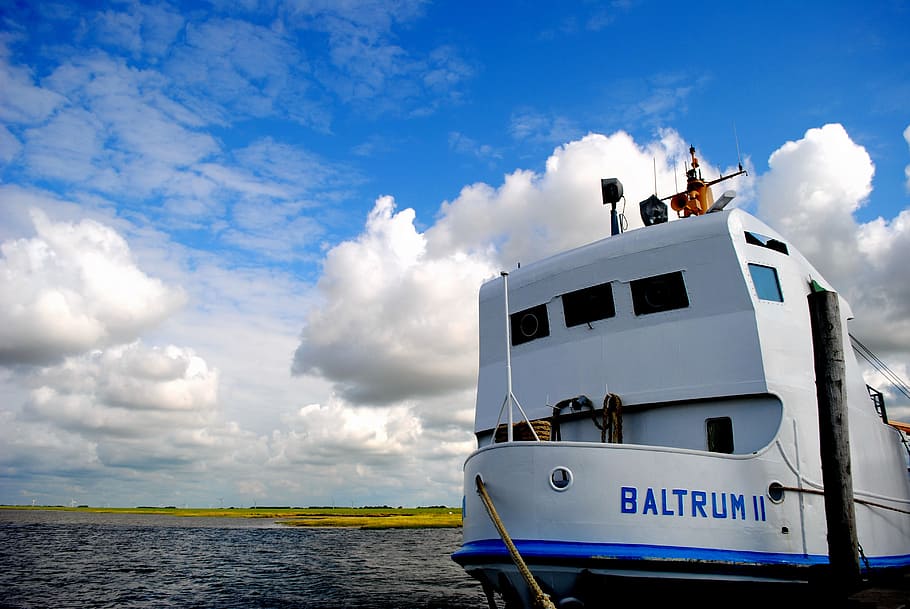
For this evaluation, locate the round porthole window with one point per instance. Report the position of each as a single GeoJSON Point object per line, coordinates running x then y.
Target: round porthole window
{"type": "Point", "coordinates": [529, 325]}
{"type": "Point", "coordinates": [776, 492]}
{"type": "Point", "coordinates": [560, 478]}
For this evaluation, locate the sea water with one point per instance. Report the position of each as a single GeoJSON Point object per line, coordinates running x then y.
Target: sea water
{"type": "Point", "coordinates": [58, 559]}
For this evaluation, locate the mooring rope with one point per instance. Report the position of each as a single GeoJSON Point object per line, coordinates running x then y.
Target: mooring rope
{"type": "Point", "coordinates": [539, 597]}
{"type": "Point", "coordinates": [855, 500]}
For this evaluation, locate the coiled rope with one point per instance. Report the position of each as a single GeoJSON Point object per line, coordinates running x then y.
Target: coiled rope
{"type": "Point", "coordinates": [539, 597]}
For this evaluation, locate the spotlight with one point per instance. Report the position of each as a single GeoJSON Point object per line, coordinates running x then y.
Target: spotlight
{"type": "Point", "coordinates": [653, 211]}
{"type": "Point", "coordinates": [612, 190]}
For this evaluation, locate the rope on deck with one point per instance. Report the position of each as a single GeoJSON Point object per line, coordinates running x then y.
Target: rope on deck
{"type": "Point", "coordinates": [538, 596]}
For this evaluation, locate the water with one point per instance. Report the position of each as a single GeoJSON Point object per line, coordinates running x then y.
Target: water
{"type": "Point", "coordinates": [52, 559]}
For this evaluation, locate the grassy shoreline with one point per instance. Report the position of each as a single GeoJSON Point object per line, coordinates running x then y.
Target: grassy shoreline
{"type": "Point", "coordinates": [362, 518]}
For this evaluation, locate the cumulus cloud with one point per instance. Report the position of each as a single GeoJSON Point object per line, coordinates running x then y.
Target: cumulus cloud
{"type": "Point", "coordinates": [339, 449]}
{"type": "Point", "coordinates": [813, 187]}
{"type": "Point", "coordinates": [810, 194]}
{"type": "Point", "coordinates": [395, 322]}
{"type": "Point", "coordinates": [532, 215]}
{"type": "Point", "coordinates": [129, 406]}
{"type": "Point", "coordinates": [71, 288]}
{"type": "Point", "coordinates": [324, 434]}
{"type": "Point", "coordinates": [126, 391]}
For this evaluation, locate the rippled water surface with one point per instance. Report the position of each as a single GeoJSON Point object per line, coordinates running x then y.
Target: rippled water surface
{"type": "Point", "coordinates": [71, 559]}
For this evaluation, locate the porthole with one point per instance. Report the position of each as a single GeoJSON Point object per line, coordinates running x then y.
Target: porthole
{"type": "Point", "coordinates": [776, 492]}
{"type": "Point", "coordinates": [529, 325]}
{"type": "Point", "coordinates": [560, 478]}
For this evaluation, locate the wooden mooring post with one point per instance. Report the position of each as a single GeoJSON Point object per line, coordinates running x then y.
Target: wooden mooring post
{"type": "Point", "coordinates": [834, 442]}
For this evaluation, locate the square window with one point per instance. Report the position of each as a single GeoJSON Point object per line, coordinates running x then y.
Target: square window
{"type": "Point", "coordinates": [529, 324]}
{"type": "Point", "coordinates": [589, 304]}
{"type": "Point", "coordinates": [767, 286]}
{"type": "Point", "coordinates": [659, 293]}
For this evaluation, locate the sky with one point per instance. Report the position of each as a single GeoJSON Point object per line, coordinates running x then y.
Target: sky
{"type": "Point", "coordinates": [241, 242]}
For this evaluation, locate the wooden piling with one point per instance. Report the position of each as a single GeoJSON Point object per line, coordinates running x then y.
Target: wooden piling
{"type": "Point", "coordinates": [834, 441]}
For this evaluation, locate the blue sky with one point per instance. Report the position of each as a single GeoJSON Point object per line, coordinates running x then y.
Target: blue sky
{"type": "Point", "coordinates": [242, 241]}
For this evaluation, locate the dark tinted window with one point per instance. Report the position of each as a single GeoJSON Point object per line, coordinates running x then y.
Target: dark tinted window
{"type": "Point", "coordinates": [768, 242]}
{"type": "Point", "coordinates": [589, 304]}
{"type": "Point", "coordinates": [720, 435]}
{"type": "Point", "coordinates": [529, 324]}
{"type": "Point", "coordinates": [659, 293]}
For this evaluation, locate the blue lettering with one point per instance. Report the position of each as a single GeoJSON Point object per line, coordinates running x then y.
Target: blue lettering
{"type": "Point", "coordinates": [721, 507]}
{"type": "Point", "coordinates": [664, 510]}
{"type": "Point", "coordinates": [628, 501]}
{"type": "Point", "coordinates": [680, 494]}
{"type": "Point", "coordinates": [699, 501]}
{"type": "Point", "coordinates": [650, 502]}
{"type": "Point", "coordinates": [723, 504]}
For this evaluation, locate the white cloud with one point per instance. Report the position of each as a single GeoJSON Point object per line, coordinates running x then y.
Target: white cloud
{"type": "Point", "coordinates": [141, 29]}
{"type": "Point", "coordinates": [20, 100]}
{"type": "Point", "coordinates": [463, 144]}
{"type": "Point", "coordinates": [813, 187]}
{"type": "Point", "coordinates": [396, 323]}
{"type": "Point", "coordinates": [533, 215]}
{"type": "Point", "coordinates": [156, 398]}
{"type": "Point", "coordinates": [71, 288]}
{"type": "Point", "coordinates": [236, 68]}
{"type": "Point", "coordinates": [527, 125]}
{"type": "Point", "coordinates": [127, 391]}
{"type": "Point", "coordinates": [810, 194]}
{"type": "Point", "coordinates": [9, 145]}
{"type": "Point", "coordinates": [116, 133]}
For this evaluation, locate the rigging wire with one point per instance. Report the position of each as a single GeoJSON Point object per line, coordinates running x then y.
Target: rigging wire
{"type": "Point", "coordinates": [879, 365]}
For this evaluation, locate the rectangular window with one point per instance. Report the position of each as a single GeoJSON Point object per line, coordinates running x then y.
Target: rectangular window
{"type": "Point", "coordinates": [529, 324]}
{"type": "Point", "coordinates": [768, 242]}
{"type": "Point", "coordinates": [659, 293]}
{"type": "Point", "coordinates": [720, 435]}
{"type": "Point", "coordinates": [589, 304]}
{"type": "Point", "coordinates": [767, 286]}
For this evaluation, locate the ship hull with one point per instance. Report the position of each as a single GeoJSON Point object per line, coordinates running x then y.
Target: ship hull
{"type": "Point", "coordinates": [652, 516]}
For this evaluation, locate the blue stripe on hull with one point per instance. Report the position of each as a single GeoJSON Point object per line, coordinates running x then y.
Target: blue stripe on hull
{"type": "Point", "coordinates": [559, 551]}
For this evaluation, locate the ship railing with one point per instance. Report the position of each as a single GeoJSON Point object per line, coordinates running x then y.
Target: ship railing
{"type": "Point", "coordinates": [878, 400]}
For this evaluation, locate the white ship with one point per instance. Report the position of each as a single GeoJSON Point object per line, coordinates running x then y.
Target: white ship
{"type": "Point", "coordinates": [647, 415]}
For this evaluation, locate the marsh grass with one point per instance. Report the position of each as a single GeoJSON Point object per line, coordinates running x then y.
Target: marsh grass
{"type": "Point", "coordinates": [362, 518]}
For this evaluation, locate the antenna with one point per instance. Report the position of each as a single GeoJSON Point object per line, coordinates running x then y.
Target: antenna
{"type": "Point", "coordinates": [739, 158]}
{"type": "Point", "coordinates": [655, 174]}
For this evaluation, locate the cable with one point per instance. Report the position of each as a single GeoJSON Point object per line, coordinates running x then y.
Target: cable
{"type": "Point", "coordinates": [880, 366]}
